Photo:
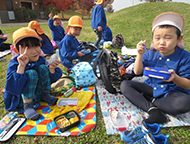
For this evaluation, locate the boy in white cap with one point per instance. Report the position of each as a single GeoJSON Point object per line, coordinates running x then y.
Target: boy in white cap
{"type": "Point", "coordinates": [28, 78]}
{"type": "Point", "coordinates": [157, 96]}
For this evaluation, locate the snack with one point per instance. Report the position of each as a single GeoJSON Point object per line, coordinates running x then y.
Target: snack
{"type": "Point", "coordinates": [62, 122]}
{"type": "Point", "coordinates": [73, 120]}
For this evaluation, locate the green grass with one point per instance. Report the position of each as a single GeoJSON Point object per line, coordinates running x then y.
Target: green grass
{"type": "Point", "coordinates": [134, 23]}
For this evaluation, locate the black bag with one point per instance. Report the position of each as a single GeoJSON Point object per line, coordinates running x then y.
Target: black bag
{"type": "Point", "coordinates": [88, 45]}
{"type": "Point", "coordinates": [109, 72]}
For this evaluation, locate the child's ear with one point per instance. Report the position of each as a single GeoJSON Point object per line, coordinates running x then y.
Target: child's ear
{"type": "Point", "coordinates": [40, 44]}
{"type": "Point", "coordinates": [180, 38]}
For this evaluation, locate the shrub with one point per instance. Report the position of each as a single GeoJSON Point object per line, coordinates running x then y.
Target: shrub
{"type": "Point", "coordinates": [25, 15]}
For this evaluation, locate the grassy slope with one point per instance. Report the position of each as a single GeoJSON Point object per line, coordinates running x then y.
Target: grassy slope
{"type": "Point", "coordinates": [134, 23]}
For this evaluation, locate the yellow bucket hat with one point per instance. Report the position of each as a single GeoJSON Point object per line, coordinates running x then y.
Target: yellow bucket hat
{"type": "Point", "coordinates": [35, 25]}
{"type": "Point", "coordinates": [76, 21]}
{"type": "Point", "coordinates": [24, 33]}
{"type": "Point", "coordinates": [56, 17]}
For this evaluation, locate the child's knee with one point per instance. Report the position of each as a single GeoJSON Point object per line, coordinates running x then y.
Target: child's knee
{"type": "Point", "coordinates": [43, 69]}
{"type": "Point", "coordinates": [32, 73]}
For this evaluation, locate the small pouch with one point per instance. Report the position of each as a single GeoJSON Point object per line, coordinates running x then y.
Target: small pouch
{"type": "Point", "coordinates": [83, 74]}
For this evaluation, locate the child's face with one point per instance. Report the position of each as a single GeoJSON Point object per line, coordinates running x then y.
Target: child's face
{"type": "Point", "coordinates": [33, 52]}
{"type": "Point", "coordinates": [57, 22]}
{"type": "Point", "coordinates": [165, 40]}
{"type": "Point", "coordinates": [75, 31]}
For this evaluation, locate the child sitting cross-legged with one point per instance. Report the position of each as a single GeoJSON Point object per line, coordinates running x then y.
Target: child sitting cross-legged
{"type": "Point", "coordinates": [28, 77]}
{"type": "Point", "coordinates": [158, 96]}
{"type": "Point", "coordinates": [69, 47]}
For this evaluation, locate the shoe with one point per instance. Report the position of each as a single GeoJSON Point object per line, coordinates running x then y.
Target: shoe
{"type": "Point", "coordinates": [139, 132]}
{"type": "Point", "coordinates": [153, 139]}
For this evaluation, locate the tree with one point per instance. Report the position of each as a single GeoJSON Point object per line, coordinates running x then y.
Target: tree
{"type": "Point", "coordinates": [85, 5]}
{"type": "Point", "coordinates": [58, 5]}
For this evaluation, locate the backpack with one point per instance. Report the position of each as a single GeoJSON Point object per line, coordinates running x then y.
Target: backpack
{"type": "Point", "coordinates": [109, 70]}
{"type": "Point", "coordinates": [118, 41]}
{"type": "Point", "coordinates": [89, 45]}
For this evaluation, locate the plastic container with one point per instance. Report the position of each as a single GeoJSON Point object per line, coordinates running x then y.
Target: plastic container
{"type": "Point", "coordinates": [70, 92]}
{"type": "Point", "coordinates": [86, 51]}
{"type": "Point", "coordinates": [7, 119]}
{"type": "Point", "coordinates": [67, 101]}
{"type": "Point", "coordinates": [119, 122]}
{"type": "Point", "coordinates": [67, 120]}
{"type": "Point", "coordinates": [157, 73]}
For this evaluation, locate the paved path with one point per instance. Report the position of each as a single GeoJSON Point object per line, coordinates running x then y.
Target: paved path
{"type": "Point", "coordinates": [21, 24]}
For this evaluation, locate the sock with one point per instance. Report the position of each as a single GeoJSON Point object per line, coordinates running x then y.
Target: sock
{"type": "Point", "coordinates": [47, 98]}
{"type": "Point", "coordinates": [30, 112]}
{"type": "Point", "coordinates": [156, 116]}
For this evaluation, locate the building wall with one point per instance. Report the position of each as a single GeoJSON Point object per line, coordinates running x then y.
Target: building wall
{"type": "Point", "coordinates": [16, 4]}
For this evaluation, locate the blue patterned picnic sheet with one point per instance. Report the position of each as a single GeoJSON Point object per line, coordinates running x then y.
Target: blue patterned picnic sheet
{"type": "Point", "coordinates": [130, 112]}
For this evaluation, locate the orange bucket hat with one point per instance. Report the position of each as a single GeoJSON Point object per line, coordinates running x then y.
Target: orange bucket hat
{"type": "Point", "coordinates": [35, 25]}
{"type": "Point", "coordinates": [76, 21]}
{"type": "Point", "coordinates": [99, 1]}
{"type": "Point", "coordinates": [24, 33]}
{"type": "Point", "coordinates": [56, 17]}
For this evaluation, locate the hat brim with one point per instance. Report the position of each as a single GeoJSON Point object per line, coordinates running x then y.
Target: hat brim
{"type": "Point", "coordinates": [168, 18]}
{"type": "Point", "coordinates": [77, 26]}
{"type": "Point", "coordinates": [38, 37]}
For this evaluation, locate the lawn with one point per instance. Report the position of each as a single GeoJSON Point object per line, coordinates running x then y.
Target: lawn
{"type": "Point", "coordinates": [134, 23]}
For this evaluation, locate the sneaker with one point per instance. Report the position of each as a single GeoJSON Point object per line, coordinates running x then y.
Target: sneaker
{"type": "Point", "coordinates": [153, 139]}
{"type": "Point", "coordinates": [139, 132]}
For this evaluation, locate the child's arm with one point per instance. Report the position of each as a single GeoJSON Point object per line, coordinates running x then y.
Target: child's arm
{"type": "Point", "coordinates": [138, 66]}
{"type": "Point", "coordinates": [51, 15]}
{"type": "Point", "coordinates": [180, 81]}
{"type": "Point", "coordinates": [50, 22]}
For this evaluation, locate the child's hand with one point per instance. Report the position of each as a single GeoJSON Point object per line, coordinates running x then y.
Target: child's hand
{"type": "Point", "coordinates": [99, 28]}
{"type": "Point", "coordinates": [80, 54]}
{"type": "Point", "coordinates": [50, 16]}
{"type": "Point", "coordinates": [172, 76]}
{"type": "Point", "coordinates": [53, 65]}
{"type": "Point", "coordinates": [140, 48]}
{"type": "Point", "coordinates": [23, 58]}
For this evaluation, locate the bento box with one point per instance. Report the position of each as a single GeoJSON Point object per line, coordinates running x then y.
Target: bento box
{"type": "Point", "coordinates": [157, 73]}
{"type": "Point", "coordinates": [67, 120]}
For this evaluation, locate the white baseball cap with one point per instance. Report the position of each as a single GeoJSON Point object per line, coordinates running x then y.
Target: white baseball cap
{"type": "Point", "coordinates": [168, 18]}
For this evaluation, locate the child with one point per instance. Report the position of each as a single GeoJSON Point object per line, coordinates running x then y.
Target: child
{"type": "Point", "coordinates": [47, 46]}
{"type": "Point", "coordinates": [3, 46]}
{"type": "Point", "coordinates": [57, 30]}
{"type": "Point", "coordinates": [98, 19]}
{"type": "Point", "coordinates": [69, 48]}
{"type": "Point", "coordinates": [28, 78]}
{"type": "Point", "coordinates": [157, 96]}
{"type": "Point", "coordinates": [107, 35]}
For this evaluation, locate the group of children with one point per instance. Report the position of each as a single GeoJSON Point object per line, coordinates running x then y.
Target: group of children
{"type": "Point", "coordinates": [29, 79]}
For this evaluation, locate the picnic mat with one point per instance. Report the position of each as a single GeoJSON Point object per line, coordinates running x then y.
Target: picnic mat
{"type": "Point", "coordinates": [131, 113]}
{"type": "Point", "coordinates": [4, 53]}
{"type": "Point", "coordinates": [46, 126]}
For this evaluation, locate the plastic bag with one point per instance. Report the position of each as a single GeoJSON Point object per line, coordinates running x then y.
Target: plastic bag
{"type": "Point", "coordinates": [83, 97]}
